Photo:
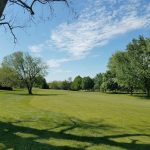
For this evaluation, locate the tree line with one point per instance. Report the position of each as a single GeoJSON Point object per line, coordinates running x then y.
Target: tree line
{"type": "Point", "coordinates": [128, 72]}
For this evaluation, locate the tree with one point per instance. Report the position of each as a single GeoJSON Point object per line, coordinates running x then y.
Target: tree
{"type": "Point", "coordinates": [77, 83]}
{"type": "Point", "coordinates": [26, 6]}
{"type": "Point", "coordinates": [139, 54]}
{"type": "Point", "coordinates": [26, 67]}
{"type": "Point", "coordinates": [65, 85]}
{"type": "Point", "coordinates": [40, 82]}
{"type": "Point", "coordinates": [109, 82]}
{"type": "Point", "coordinates": [98, 80]}
{"type": "Point", "coordinates": [120, 65]}
{"type": "Point", "coordinates": [7, 77]}
{"type": "Point", "coordinates": [87, 83]}
{"type": "Point", "coordinates": [55, 85]}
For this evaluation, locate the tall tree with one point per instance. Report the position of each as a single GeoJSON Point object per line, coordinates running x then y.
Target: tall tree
{"type": "Point", "coordinates": [139, 54]}
{"type": "Point", "coordinates": [120, 65]}
{"type": "Point", "coordinates": [26, 67]}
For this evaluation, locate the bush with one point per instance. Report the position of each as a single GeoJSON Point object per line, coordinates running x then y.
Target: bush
{"type": "Point", "coordinates": [6, 88]}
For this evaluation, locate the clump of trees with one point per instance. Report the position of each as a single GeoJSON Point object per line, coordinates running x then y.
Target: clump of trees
{"type": "Point", "coordinates": [128, 72]}
{"type": "Point", "coordinates": [132, 66]}
{"type": "Point", "coordinates": [22, 70]}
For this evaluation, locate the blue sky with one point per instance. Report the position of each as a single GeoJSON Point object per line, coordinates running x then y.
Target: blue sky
{"type": "Point", "coordinates": [78, 46]}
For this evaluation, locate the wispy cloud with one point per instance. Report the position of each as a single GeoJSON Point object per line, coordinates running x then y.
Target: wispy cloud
{"type": "Point", "coordinates": [55, 63]}
{"type": "Point", "coordinates": [36, 48]}
{"type": "Point", "coordinates": [99, 22]}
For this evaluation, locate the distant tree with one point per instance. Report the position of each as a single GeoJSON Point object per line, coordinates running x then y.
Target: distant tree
{"type": "Point", "coordinates": [41, 83]}
{"type": "Point", "coordinates": [65, 85]}
{"type": "Point", "coordinates": [98, 80]}
{"type": "Point", "coordinates": [55, 85]}
{"type": "Point", "coordinates": [87, 83]}
{"type": "Point", "coordinates": [77, 83]}
{"type": "Point", "coordinates": [8, 77]}
{"type": "Point", "coordinates": [109, 82]}
{"type": "Point", "coordinates": [26, 67]}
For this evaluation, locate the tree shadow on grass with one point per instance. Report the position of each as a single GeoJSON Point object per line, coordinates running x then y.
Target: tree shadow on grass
{"type": "Point", "coordinates": [10, 139]}
{"type": "Point", "coordinates": [142, 96]}
{"type": "Point", "coordinates": [26, 94]}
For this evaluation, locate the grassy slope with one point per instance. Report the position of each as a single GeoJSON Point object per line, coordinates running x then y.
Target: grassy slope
{"type": "Point", "coordinates": [59, 120]}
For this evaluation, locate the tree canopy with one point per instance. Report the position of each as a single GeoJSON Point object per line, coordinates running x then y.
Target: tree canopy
{"type": "Point", "coordinates": [26, 67]}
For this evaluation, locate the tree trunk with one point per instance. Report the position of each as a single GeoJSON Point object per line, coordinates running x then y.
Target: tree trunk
{"type": "Point", "coordinates": [30, 90]}
{"type": "Point", "coordinates": [2, 6]}
{"type": "Point", "coordinates": [131, 90]}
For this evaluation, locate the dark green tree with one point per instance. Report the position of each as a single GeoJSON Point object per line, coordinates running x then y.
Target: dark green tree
{"type": "Point", "coordinates": [87, 83]}
{"type": "Point", "coordinates": [98, 80]}
{"type": "Point", "coordinates": [77, 83]}
{"type": "Point", "coordinates": [109, 82]}
{"type": "Point", "coordinates": [40, 82]}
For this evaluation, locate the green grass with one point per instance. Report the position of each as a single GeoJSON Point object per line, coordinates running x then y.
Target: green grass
{"type": "Point", "coordinates": [64, 120]}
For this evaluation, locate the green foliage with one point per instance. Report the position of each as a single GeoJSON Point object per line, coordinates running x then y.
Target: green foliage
{"type": "Point", "coordinates": [120, 65]}
{"type": "Point", "coordinates": [109, 82]}
{"type": "Point", "coordinates": [76, 85]}
{"type": "Point", "coordinates": [26, 67]}
{"type": "Point", "coordinates": [65, 85]}
{"type": "Point", "coordinates": [8, 77]}
{"type": "Point", "coordinates": [139, 55]}
{"type": "Point", "coordinates": [98, 80]}
{"type": "Point", "coordinates": [61, 85]}
{"type": "Point", "coordinates": [132, 67]}
{"type": "Point", "coordinates": [41, 83]}
{"type": "Point", "coordinates": [55, 85]}
{"type": "Point", "coordinates": [87, 83]}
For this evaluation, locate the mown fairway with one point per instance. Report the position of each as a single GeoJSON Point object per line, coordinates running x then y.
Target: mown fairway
{"type": "Point", "coordinates": [63, 120]}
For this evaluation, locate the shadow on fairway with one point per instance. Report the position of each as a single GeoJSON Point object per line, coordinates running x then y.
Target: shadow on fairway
{"type": "Point", "coordinates": [143, 97]}
{"type": "Point", "coordinates": [26, 94]}
{"type": "Point", "coordinates": [10, 139]}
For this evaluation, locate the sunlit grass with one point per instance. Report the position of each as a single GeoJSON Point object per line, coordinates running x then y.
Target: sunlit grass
{"type": "Point", "coordinates": [59, 120]}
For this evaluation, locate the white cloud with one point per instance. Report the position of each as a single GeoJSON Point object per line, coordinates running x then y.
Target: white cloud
{"type": "Point", "coordinates": [101, 21]}
{"type": "Point", "coordinates": [55, 63]}
{"type": "Point", "coordinates": [36, 48]}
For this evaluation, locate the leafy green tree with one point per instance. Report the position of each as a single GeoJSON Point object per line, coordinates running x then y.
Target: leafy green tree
{"type": "Point", "coordinates": [98, 80]}
{"type": "Point", "coordinates": [40, 82]}
{"type": "Point", "coordinates": [77, 83]}
{"type": "Point", "coordinates": [109, 82]}
{"type": "Point", "coordinates": [120, 65]}
{"type": "Point", "coordinates": [65, 85]}
{"type": "Point", "coordinates": [87, 83]}
{"type": "Point", "coordinates": [8, 77]}
{"type": "Point", "coordinates": [55, 85]}
{"type": "Point", "coordinates": [26, 67]}
{"type": "Point", "coordinates": [139, 54]}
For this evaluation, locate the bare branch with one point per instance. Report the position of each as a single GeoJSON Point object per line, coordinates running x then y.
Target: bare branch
{"type": "Point", "coordinates": [27, 6]}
